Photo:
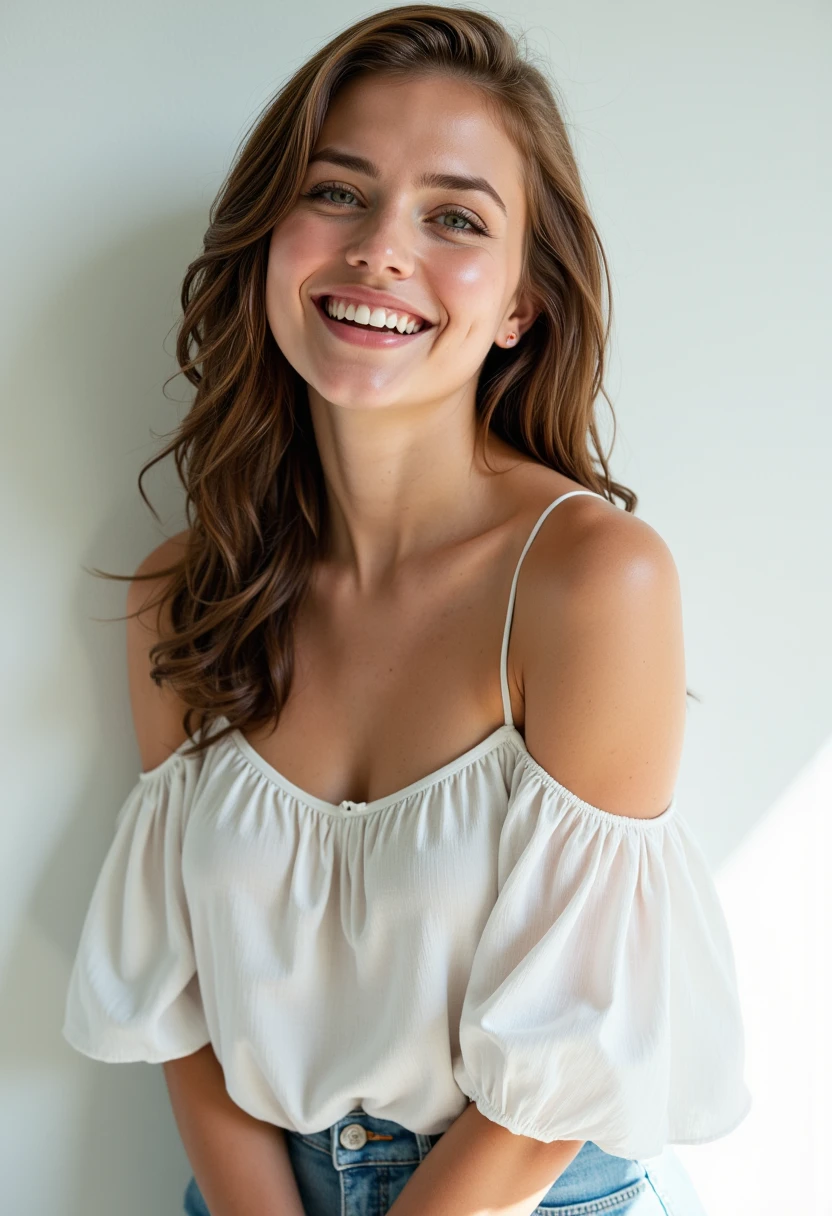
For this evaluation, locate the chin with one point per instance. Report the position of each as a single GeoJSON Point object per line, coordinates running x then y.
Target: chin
{"type": "Point", "coordinates": [359, 393]}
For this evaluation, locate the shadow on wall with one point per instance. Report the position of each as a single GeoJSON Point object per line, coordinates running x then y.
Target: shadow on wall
{"type": "Point", "coordinates": [87, 379]}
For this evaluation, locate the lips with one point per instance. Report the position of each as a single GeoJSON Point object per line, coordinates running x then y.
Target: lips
{"type": "Point", "coordinates": [370, 337]}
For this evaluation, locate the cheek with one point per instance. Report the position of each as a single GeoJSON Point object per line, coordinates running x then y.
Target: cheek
{"type": "Point", "coordinates": [293, 259]}
{"type": "Point", "coordinates": [471, 285]}
{"type": "Point", "coordinates": [297, 249]}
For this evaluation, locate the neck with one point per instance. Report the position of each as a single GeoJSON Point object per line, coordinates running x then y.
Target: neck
{"type": "Point", "coordinates": [402, 481]}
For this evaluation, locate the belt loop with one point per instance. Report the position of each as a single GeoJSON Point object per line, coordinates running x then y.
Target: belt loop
{"type": "Point", "coordinates": [424, 1145]}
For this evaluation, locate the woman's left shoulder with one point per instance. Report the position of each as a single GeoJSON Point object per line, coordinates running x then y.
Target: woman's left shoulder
{"type": "Point", "coordinates": [600, 653]}
{"type": "Point", "coordinates": [592, 546]}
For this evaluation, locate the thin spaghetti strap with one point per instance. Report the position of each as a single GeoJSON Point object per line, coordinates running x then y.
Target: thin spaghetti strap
{"type": "Point", "coordinates": [509, 720]}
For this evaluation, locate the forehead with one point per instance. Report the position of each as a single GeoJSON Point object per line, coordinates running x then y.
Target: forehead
{"type": "Point", "coordinates": [410, 126]}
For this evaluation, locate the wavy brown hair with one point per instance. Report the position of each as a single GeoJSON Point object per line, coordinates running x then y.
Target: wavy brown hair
{"type": "Point", "coordinates": [246, 452]}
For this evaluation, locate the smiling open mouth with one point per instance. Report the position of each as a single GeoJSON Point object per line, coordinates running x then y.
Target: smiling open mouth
{"type": "Point", "coordinates": [374, 320]}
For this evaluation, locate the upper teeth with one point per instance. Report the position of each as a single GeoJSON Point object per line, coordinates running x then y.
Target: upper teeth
{"type": "Point", "coordinates": [362, 314]}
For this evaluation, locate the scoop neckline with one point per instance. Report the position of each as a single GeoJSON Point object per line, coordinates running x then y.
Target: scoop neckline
{"type": "Point", "coordinates": [350, 809]}
{"type": "Point", "coordinates": [507, 733]}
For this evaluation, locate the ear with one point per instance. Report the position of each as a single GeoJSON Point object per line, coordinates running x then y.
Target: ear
{"type": "Point", "coordinates": [523, 314]}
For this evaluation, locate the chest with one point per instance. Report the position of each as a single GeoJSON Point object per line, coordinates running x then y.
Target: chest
{"type": "Point", "coordinates": [390, 687]}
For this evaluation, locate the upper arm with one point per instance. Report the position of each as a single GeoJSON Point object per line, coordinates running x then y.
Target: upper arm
{"type": "Point", "coordinates": [157, 712]}
{"type": "Point", "coordinates": [603, 668]}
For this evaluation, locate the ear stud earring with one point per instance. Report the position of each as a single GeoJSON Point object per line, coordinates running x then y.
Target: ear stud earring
{"type": "Point", "coordinates": [511, 339]}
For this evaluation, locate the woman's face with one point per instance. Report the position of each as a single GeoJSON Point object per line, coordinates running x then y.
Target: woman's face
{"type": "Point", "coordinates": [369, 217]}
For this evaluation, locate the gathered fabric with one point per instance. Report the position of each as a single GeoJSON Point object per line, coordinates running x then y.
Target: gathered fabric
{"type": "Point", "coordinates": [483, 934]}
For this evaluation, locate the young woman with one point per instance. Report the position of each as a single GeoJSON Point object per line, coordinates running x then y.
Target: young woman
{"type": "Point", "coordinates": [401, 899]}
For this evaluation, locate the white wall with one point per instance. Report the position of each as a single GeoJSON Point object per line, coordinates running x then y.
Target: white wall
{"type": "Point", "coordinates": [702, 131]}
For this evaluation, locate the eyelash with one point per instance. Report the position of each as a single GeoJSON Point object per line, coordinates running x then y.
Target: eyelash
{"type": "Point", "coordinates": [325, 187]}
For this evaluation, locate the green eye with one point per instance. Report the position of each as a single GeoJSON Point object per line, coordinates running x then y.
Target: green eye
{"type": "Point", "coordinates": [462, 215]}
{"type": "Point", "coordinates": [320, 190]}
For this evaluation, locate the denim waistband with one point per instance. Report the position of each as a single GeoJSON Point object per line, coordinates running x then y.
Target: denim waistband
{"type": "Point", "coordinates": [344, 1182]}
{"type": "Point", "coordinates": [359, 1137]}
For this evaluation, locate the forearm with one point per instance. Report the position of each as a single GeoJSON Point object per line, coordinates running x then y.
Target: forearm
{"type": "Point", "coordinates": [478, 1168]}
{"type": "Point", "coordinates": [241, 1164]}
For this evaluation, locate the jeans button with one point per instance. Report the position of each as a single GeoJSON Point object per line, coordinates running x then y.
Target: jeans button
{"type": "Point", "coordinates": [353, 1136]}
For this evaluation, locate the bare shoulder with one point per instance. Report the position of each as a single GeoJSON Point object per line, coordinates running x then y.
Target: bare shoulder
{"type": "Point", "coordinates": [586, 544]}
{"type": "Point", "coordinates": [595, 546]}
{"type": "Point", "coordinates": [157, 712]}
{"type": "Point", "coordinates": [602, 657]}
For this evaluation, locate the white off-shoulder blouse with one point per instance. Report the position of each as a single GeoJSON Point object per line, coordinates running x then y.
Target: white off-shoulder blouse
{"type": "Point", "coordinates": [481, 934]}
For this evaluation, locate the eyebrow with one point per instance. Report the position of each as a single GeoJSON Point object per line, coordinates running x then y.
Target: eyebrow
{"type": "Point", "coordinates": [444, 181]}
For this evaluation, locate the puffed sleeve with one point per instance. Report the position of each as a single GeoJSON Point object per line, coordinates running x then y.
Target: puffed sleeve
{"type": "Point", "coordinates": [134, 991]}
{"type": "Point", "coordinates": [602, 1001]}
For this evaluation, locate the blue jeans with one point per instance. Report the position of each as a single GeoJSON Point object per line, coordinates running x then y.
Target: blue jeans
{"type": "Point", "coordinates": [360, 1164]}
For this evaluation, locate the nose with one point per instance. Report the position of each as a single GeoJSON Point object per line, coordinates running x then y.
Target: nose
{"type": "Point", "coordinates": [382, 243]}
